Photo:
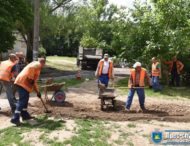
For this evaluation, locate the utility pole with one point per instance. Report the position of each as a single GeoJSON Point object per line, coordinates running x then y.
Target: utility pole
{"type": "Point", "coordinates": [36, 29]}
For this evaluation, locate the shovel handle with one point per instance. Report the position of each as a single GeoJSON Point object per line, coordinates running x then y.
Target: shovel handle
{"type": "Point", "coordinates": [43, 104]}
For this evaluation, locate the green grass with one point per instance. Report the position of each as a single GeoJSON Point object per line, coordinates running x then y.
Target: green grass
{"type": "Point", "coordinates": [131, 125]}
{"type": "Point", "coordinates": [72, 59]}
{"type": "Point", "coordinates": [90, 133]}
{"type": "Point", "coordinates": [167, 92]}
{"type": "Point", "coordinates": [119, 141]}
{"type": "Point", "coordinates": [61, 63]}
{"type": "Point", "coordinates": [130, 143]}
{"type": "Point", "coordinates": [13, 135]}
{"type": "Point", "coordinates": [70, 82]}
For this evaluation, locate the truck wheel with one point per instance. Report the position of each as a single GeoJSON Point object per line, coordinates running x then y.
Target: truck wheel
{"type": "Point", "coordinates": [83, 66]}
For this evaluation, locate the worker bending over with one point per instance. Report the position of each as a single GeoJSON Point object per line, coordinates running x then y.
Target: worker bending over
{"type": "Point", "coordinates": [136, 83]}
{"type": "Point", "coordinates": [26, 82]}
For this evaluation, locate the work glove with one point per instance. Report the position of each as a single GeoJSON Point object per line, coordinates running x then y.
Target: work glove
{"type": "Point", "coordinates": [39, 95]}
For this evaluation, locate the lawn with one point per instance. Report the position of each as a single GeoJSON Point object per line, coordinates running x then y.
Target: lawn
{"type": "Point", "coordinates": [46, 131]}
{"type": "Point", "coordinates": [61, 63]}
{"type": "Point", "coordinates": [167, 92]}
{"type": "Point", "coordinates": [58, 58]}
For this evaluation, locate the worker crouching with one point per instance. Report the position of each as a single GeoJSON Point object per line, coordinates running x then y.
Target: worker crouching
{"type": "Point", "coordinates": [136, 83]}
{"type": "Point", "coordinates": [26, 82]}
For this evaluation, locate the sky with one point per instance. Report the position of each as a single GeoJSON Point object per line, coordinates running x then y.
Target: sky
{"type": "Point", "coordinates": [127, 3]}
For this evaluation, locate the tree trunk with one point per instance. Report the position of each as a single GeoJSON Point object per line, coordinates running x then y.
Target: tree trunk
{"type": "Point", "coordinates": [29, 54]}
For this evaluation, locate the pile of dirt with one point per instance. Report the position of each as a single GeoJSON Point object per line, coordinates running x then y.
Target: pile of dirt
{"type": "Point", "coordinates": [82, 102]}
{"type": "Point", "coordinates": [91, 110]}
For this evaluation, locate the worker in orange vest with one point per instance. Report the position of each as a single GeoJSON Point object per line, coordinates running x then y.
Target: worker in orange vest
{"type": "Point", "coordinates": [156, 72]}
{"type": "Point", "coordinates": [136, 83]}
{"type": "Point", "coordinates": [175, 68]}
{"type": "Point", "coordinates": [7, 73]}
{"type": "Point", "coordinates": [19, 67]}
{"type": "Point", "coordinates": [104, 70]}
{"type": "Point", "coordinates": [26, 82]}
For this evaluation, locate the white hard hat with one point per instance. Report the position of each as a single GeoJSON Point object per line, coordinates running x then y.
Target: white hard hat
{"type": "Point", "coordinates": [137, 64]}
{"type": "Point", "coordinates": [106, 55]}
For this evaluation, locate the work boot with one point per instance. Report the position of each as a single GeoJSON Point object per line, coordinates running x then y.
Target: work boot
{"type": "Point", "coordinates": [16, 119]}
{"type": "Point", "coordinates": [143, 109]}
{"type": "Point", "coordinates": [26, 116]}
{"type": "Point", "coordinates": [127, 110]}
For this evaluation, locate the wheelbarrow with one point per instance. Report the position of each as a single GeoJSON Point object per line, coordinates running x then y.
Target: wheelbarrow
{"type": "Point", "coordinates": [107, 97]}
{"type": "Point", "coordinates": [53, 87]}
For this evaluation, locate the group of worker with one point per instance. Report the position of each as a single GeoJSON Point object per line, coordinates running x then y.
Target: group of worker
{"type": "Point", "coordinates": [25, 81]}
{"type": "Point", "coordinates": [137, 77]}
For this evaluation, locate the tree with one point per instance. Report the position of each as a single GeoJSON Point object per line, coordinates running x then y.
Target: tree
{"type": "Point", "coordinates": [13, 13]}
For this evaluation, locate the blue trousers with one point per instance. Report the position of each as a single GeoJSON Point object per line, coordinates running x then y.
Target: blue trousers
{"type": "Point", "coordinates": [104, 79]}
{"type": "Point", "coordinates": [141, 95]}
{"type": "Point", "coordinates": [22, 104]}
{"type": "Point", "coordinates": [155, 83]}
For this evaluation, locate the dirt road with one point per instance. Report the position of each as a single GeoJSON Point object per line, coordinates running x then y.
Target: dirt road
{"type": "Point", "coordinates": [125, 128]}
{"type": "Point", "coordinates": [83, 102]}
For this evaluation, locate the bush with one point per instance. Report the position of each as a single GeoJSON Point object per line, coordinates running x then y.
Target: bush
{"type": "Point", "coordinates": [88, 42]}
{"type": "Point", "coordinates": [42, 52]}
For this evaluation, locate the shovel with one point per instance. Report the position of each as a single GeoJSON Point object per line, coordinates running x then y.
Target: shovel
{"type": "Point", "coordinates": [46, 109]}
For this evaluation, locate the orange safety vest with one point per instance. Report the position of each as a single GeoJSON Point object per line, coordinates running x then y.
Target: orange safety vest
{"type": "Point", "coordinates": [142, 77]}
{"type": "Point", "coordinates": [5, 70]}
{"type": "Point", "coordinates": [31, 71]}
{"type": "Point", "coordinates": [101, 64]}
{"type": "Point", "coordinates": [155, 71]}
{"type": "Point", "coordinates": [178, 64]}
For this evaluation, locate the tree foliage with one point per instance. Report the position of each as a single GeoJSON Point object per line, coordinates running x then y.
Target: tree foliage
{"type": "Point", "coordinates": [13, 15]}
{"type": "Point", "coordinates": [153, 28]}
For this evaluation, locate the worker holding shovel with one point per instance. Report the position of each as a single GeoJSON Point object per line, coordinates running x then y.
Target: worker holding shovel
{"type": "Point", "coordinates": [136, 83]}
{"type": "Point", "coordinates": [26, 82]}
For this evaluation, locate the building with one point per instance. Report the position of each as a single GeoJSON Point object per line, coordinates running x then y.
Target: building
{"type": "Point", "coordinates": [19, 46]}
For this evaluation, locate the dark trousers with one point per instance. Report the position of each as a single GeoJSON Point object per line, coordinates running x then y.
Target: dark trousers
{"type": "Point", "coordinates": [22, 104]}
{"type": "Point", "coordinates": [23, 99]}
{"type": "Point", "coordinates": [175, 79]}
